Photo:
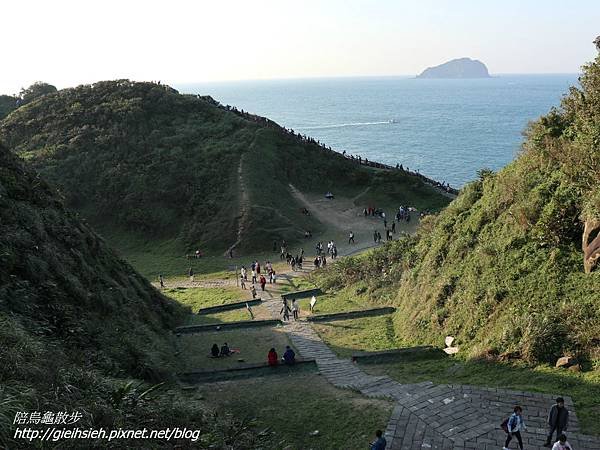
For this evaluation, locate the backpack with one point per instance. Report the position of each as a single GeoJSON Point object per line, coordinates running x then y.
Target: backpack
{"type": "Point", "coordinates": [504, 425]}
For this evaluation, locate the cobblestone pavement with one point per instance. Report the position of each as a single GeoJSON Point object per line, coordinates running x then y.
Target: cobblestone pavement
{"type": "Point", "coordinates": [436, 416]}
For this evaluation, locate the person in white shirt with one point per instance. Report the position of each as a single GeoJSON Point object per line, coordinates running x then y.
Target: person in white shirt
{"type": "Point", "coordinates": [562, 443]}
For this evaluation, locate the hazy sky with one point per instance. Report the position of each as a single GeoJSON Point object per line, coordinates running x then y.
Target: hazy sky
{"type": "Point", "coordinates": [67, 42]}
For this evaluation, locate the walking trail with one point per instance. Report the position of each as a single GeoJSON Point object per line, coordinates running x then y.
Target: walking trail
{"type": "Point", "coordinates": [434, 416]}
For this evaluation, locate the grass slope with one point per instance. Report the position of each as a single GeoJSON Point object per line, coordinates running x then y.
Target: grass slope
{"type": "Point", "coordinates": [147, 165]}
{"type": "Point", "coordinates": [501, 268]}
{"type": "Point", "coordinates": [81, 330]}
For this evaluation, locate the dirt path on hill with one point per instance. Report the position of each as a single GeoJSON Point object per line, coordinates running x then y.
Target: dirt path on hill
{"type": "Point", "coordinates": [244, 207]}
{"type": "Point", "coordinates": [341, 216]}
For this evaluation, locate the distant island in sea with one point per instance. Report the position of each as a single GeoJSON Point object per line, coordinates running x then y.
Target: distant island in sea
{"type": "Point", "coordinates": [457, 68]}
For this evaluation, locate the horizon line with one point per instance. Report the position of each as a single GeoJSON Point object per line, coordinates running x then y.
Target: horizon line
{"type": "Point", "coordinates": [335, 77]}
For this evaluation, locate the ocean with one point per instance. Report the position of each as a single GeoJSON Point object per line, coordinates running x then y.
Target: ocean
{"type": "Point", "coordinates": [445, 129]}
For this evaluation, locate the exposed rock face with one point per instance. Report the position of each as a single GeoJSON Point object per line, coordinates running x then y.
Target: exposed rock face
{"type": "Point", "coordinates": [591, 244]}
{"type": "Point", "coordinates": [597, 42]}
{"type": "Point", "coordinates": [457, 68]}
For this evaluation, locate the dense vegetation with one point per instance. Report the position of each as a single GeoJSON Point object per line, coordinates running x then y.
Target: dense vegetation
{"type": "Point", "coordinates": [139, 159]}
{"type": "Point", "coordinates": [77, 324]}
{"type": "Point", "coordinates": [502, 267]}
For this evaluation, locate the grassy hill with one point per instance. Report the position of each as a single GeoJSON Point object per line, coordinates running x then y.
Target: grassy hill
{"type": "Point", "coordinates": [80, 329]}
{"type": "Point", "coordinates": [501, 268]}
{"type": "Point", "coordinates": [147, 165]}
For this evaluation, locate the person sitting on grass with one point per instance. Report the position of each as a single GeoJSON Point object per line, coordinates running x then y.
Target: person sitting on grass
{"type": "Point", "coordinates": [214, 351]}
{"type": "Point", "coordinates": [289, 357]}
{"type": "Point", "coordinates": [272, 358]}
{"type": "Point", "coordinates": [225, 351]}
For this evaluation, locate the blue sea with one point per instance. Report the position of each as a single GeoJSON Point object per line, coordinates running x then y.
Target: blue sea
{"type": "Point", "coordinates": [446, 129]}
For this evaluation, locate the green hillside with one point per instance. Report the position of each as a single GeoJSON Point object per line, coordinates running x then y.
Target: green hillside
{"type": "Point", "coordinates": [501, 268]}
{"type": "Point", "coordinates": [144, 163]}
{"type": "Point", "coordinates": [77, 324]}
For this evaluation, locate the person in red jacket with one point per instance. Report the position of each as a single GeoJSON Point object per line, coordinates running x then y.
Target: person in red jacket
{"type": "Point", "coordinates": [263, 282]}
{"type": "Point", "coordinates": [272, 358]}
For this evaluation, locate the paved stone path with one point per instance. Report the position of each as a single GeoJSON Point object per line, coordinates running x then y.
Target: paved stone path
{"type": "Point", "coordinates": [436, 416]}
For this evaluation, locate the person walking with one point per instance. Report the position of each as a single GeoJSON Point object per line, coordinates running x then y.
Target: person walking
{"type": "Point", "coordinates": [285, 310]}
{"type": "Point", "coordinates": [263, 282]}
{"type": "Point", "coordinates": [558, 420]}
{"type": "Point", "coordinates": [191, 274]}
{"type": "Point", "coordinates": [351, 238]}
{"type": "Point", "coordinates": [161, 281]}
{"type": "Point", "coordinates": [253, 291]}
{"type": "Point", "coordinates": [295, 309]}
{"type": "Point", "coordinates": [379, 443]}
{"type": "Point", "coordinates": [514, 426]}
{"type": "Point", "coordinates": [242, 282]}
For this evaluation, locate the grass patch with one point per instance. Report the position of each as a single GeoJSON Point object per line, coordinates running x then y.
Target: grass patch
{"type": "Point", "coordinates": [235, 315]}
{"type": "Point", "coordinates": [253, 343]}
{"type": "Point", "coordinates": [197, 298]}
{"type": "Point", "coordinates": [345, 337]}
{"type": "Point", "coordinates": [290, 408]}
{"type": "Point", "coordinates": [583, 387]}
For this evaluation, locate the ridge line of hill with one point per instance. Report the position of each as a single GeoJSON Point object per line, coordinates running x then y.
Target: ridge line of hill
{"type": "Point", "coordinates": [444, 188]}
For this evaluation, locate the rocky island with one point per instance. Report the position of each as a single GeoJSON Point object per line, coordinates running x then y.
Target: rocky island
{"type": "Point", "coordinates": [457, 68]}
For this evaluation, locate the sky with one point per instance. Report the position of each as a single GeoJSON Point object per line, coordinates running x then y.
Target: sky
{"type": "Point", "coordinates": [67, 43]}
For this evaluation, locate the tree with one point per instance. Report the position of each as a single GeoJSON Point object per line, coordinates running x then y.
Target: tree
{"type": "Point", "coordinates": [36, 90]}
{"type": "Point", "coordinates": [7, 104]}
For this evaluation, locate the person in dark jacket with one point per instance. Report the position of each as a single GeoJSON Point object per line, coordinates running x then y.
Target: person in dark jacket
{"type": "Point", "coordinates": [225, 351]}
{"type": "Point", "coordinates": [289, 357]}
{"type": "Point", "coordinates": [380, 442]}
{"type": "Point", "coordinates": [558, 420]}
{"type": "Point", "coordinates": [214, 351]}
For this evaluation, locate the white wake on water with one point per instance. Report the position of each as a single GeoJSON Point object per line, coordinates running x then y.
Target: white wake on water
{"type": "Point", "coordinates": [342, 125]}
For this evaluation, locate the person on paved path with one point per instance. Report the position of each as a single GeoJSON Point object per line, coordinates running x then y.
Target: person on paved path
{"type": "Point", "coordinates": [214, 351]}
{"type": "Point", "coordinates": [351, 237]}
{"type": "Point", "coordinates": [562, 443]}
{"type": "Point", "coordinates": [375, 236]}
{"type": "Point", "coordinates": [289, 357]}
{"type": "Point", "coordinates": [394, 227]}
{"type": "Point", "coordinates": [295, 309]}
{"type": "Point", "coordinates": [253, 275]}
{"type": "Point", "coordinates": [515, 425]}
{"type": "Point", "coordinates": [558, 420]}
{"type": "Point", "coordinates": [161, 280]}
{"type": "Point", "coordinates": [253, 291]}
{"type": "Point", "coordinates": [272, 358]}
{"type": "Point", "coordinates": [225, 351]}
{"type": "Point", "coordinates": [379, 443]}
{"type": "Point", "coordinates": [263, 282]}
{"type": "Point", "coordinates": [191, 274]}
{"type": "Point", "coordinates": [285, 310]}
{"type": "Point", "coordinates": [379, 237]}
{"type": "Point", "coordinates": [242, 282]}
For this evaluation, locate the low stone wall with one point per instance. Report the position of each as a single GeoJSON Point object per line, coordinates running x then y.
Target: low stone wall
{"type": "Point", "coordinates": [302, 294]}
{"type": "Point", "coordinates": [229, 306]}
{"type": "Point", "coordinates": [352, 314]}
{"type": "Point", "coordinates": [226, 325]}
{"type": "Point", "coordinates": [246, 370]}
{"type": "Point", "coordinates": [412, 353]}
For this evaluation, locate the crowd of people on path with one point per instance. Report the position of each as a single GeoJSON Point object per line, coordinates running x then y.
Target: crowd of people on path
{"type": "Point", "coordinates": [557, 422]}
